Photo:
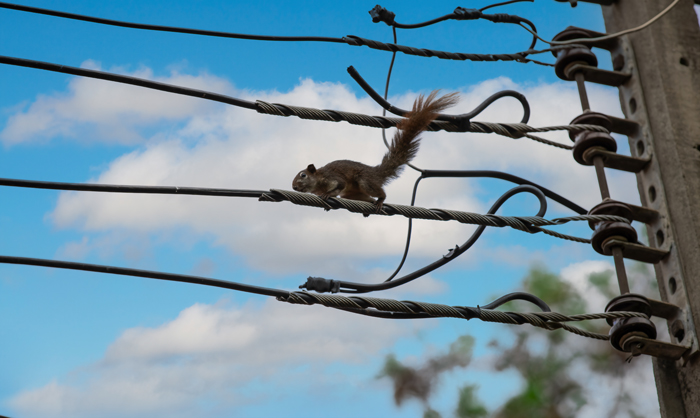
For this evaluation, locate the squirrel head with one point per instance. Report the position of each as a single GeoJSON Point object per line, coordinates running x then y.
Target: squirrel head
{"type": "Point", "coordinates": [305, 181]}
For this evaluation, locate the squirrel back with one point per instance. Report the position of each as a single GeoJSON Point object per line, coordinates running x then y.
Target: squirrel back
{"type": "Point", "coordinates": [357, 181]}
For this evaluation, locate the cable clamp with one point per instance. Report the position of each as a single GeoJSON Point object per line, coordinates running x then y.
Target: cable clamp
{"type": "Point", "coordinates": [321, 285]}
{"type": "Point", "coordinates": [380, 14]}
{"type": "Point", "coordinates": [462, 13]}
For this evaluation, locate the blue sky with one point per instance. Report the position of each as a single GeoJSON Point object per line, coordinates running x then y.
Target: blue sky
{"type": "Point", "coordinates": [85, 344]}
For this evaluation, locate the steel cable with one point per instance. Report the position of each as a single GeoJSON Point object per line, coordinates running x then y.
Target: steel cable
{"type": "Point", "coordinates": [511, 130]}
{"type": "Point", "coordinates": [522, 223]}
{"type": "Point", "coordinates": [389, 308]}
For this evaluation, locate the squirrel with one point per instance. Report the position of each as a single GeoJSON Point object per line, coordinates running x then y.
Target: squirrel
{"type": "Point", "coordinates": [357, 181]}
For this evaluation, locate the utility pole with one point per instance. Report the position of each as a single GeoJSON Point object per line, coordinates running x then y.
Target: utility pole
{"type": "Point", "coordinates": [657, 71]}
{"type": "Point", "coordinates": [663, 96]}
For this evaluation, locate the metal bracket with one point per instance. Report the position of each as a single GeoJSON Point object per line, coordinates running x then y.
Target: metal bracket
{"type": "Point", "coordinates": [663, 309]}
{"type": "Point", "coordinates": [615, 160]}
{"type": "Point", "coordinates": [643, 214]}
{"type": "Point", "coordinates": [596, 75]}
{"type": "Point", "coordinates": [640, 345]}
{"type": "Point", "coordinates": [634, 251]}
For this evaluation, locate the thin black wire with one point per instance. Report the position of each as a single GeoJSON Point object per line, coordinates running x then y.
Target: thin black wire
{"type": "Point", "coordinates": [507, 177]}
{"type": "Point", "coordinates": [119, 188]}
{"type": "Point", "coordinates": [125, 79]}
{"type": "Point", "coordinates": [158, 275]}
{"type": "Point", "coordinates": [351, 287]}
{"type": "Point", "coordinates": [386, 95]}
{"type": "Point", "coordinates": [479, 174]}
{"type": "Point", "coordinates": [503, 4]}
{"type": "Point", "coordinates": [160, 28]}
{"type": "Point", "coordinates": [456, 119]}
{"type": "Point", "coordinates": [282, 295]}
{"type": "Point", "coordinates": [408, 235]}
{"type": "Point", "coordinates": [386, 88]}
{"type": "Point", "coordinates": [380, 14]}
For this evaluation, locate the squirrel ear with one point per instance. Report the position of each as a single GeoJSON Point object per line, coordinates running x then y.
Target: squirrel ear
{"type": "Point", "coordinates": [311, 169]}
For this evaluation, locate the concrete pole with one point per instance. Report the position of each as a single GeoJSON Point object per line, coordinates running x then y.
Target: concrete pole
{"type": "Point", "coordinates": [667, 105]}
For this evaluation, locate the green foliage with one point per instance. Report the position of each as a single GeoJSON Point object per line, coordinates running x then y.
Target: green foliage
{"type": "Point", "coordinates": [392, 367]}
{"type": "Point", "coordinates": [558, 294]}
{"type": "Point", "coordinates": [551, 389]}
{"type": "Point", "coordinates": [462, 347]}
{"type": "Point", "coordinates": [431, 413]}
{"type": "Point", "coordinates": [469, 405]}
{"type": "Point", "coordinates": [418, 383]}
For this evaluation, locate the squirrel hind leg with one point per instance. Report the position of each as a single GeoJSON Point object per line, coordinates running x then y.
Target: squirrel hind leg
{"type": "Point", "coordinates": [380, 204]}
{"type": "Point", "coordinates": [381, 197]}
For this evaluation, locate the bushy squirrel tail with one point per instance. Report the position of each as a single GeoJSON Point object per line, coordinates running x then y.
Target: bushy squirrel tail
{"type": "Point", "coordinates": [404, 145]}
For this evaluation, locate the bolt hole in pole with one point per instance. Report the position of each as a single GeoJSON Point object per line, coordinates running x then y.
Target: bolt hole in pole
{"type": "Point", "coordinates": [652, 193]}
{"type": "Point", "coordinates": [633, 105]}
{"type": "Point", "coordinates": [677, 330]}
{"type": "Point", "coordinates": [618, 62]}
{"type": "Point", "coordinates": [672, 285]}
{"type": "Point", "coordinates": [684, 61]}
{"type": "Point", "coordinates": [659, 237]}
{"type": "Point", "coordinates": [640, 147]}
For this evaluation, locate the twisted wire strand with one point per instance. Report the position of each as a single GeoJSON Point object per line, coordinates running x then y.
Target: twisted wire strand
{"type": "Point", "coordinates": [429, 53]}
{"type": "Point", "coordinates": [564, 236]}
{"type": "Point", "coordinates": [548, 142]}
{"type": "Point", "coordinates": [531, 224]}
{"type": "Point", "coordinates": [546, 320]}
{"type": "Point", "coordinates": [511, 130]}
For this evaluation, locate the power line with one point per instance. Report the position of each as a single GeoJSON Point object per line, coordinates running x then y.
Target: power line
{"type": "Point", "coordinates": [511, 130]}
{"type": "Point", "coordinates": [361, 305]}
{"type": "Point", "coordinates": [530, 224]}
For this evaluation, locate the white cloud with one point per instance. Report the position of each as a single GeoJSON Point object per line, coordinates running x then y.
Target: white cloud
{"type": "Point", "coordinates": [640, 279]}
{"type": "Point", "coordinates": [102, 111]}
{"type": "Point", "coordinates": [638, 381]}
{"type": "Point", "coordinates": [578, 273]}
{"type": "Point", "coordinates": [212, 356]}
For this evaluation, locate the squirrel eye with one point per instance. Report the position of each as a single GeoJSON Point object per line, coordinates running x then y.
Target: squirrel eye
{"type": "Point", "coordinates": [302, 175]}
